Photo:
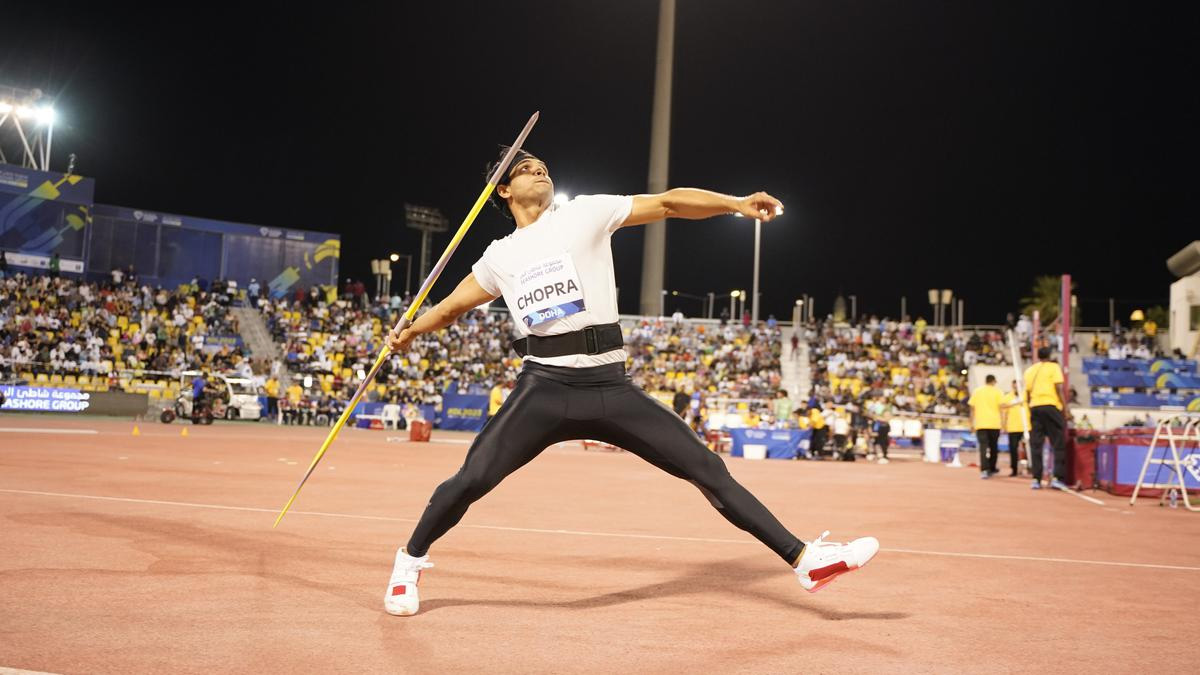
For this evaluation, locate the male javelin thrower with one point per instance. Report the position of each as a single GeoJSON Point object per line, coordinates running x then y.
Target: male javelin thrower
{"type": "Point", "coordinates": [555, 271]}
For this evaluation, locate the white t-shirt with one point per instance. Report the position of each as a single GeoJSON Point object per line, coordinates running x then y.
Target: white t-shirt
{"type": "Point", "coordinates": [556, 274]}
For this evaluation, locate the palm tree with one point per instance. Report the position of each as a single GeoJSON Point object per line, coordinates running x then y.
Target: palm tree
{"type": "Point", "coordinates": [1045, 297]}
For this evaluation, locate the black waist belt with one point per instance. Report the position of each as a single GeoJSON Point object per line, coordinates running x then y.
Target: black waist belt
{"type": "Point", "coordinates": [591, 340]}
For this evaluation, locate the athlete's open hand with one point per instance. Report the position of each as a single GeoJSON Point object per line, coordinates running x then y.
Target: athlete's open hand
{"type": "Point", "coordinates": [760, 205]}
{"type": "Point", "coordinates": [398, 342]}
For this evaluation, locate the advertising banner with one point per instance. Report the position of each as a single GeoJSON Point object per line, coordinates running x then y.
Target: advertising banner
{"type": "Point", "coordinates": [463, 413]}
{"type": "Point", "coordinates": [44, 212]}
{"type": "Point", "coordinates": [73, 401]}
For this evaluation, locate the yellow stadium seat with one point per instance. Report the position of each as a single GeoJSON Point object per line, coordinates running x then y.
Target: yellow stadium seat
{"type": "Point", "coordinates": [41, 377]}
{"type": "Point", "coordinates": [84, 379]}
{"type": "Point", "coordinates": [56, 379]}
{"type": "Point", "coordinates": [133, 327]}
{"type": "Point", "coordinates": [122, 322]}
{"type": "Point", "coordinates": [70, 380]}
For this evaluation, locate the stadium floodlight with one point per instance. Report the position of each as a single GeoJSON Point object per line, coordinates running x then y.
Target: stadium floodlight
{"type": "Point", "coordinates": [561, 198]}
{"type": "Point", "coordinates": [46, 115]}
{"type": "Point", "coordinates": [734, 294]}
{"type": "Point", "coordinates": [394, 257]}
{"type": "Point", "coordinates": [27, 119]}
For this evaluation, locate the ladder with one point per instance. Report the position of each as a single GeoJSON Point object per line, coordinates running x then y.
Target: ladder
{"type": "Point", "coordinates": [1179, 432]}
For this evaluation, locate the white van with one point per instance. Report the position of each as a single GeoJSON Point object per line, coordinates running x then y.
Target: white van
{"type": "Point", "coordinates": [243, 394]}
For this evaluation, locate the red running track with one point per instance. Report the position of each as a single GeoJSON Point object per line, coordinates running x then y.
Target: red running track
{"type": "Point", "coordinates": [155, 553]}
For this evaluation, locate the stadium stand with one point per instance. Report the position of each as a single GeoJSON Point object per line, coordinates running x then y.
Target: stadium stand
{"type": "Point", "coordinates": [1141, 382]}
{"type": "Point", "coordinates": [891, 367]}
{"type": "Point", "coordinates": [119, 335]}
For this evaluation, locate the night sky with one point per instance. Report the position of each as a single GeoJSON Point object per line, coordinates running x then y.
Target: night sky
{"type": "Point", "coordinates": [962, 145]}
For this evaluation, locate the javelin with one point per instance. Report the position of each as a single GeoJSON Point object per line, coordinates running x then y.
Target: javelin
{"type": "Point", "coordinates": [407, 319]}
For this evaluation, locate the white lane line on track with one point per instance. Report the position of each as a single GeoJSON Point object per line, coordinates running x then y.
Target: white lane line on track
{"type": "Point", "coordinates": [23, 430]}
{"type": "Point", "coordinates": [1085, 498]}
{"type": "Point", "coordinates": [18, 671]}
{"type": "Point", "coordinates": [585, 533]}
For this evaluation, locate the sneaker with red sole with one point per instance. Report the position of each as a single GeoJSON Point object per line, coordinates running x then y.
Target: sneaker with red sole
{"type": "Point", "coordinates": [823, 561]}
{"type": "Point", "coordinates": [402, 598]}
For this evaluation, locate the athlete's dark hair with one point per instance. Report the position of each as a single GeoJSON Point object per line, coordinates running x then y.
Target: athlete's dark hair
{"type": "Point", "coordinates": [495, 199]}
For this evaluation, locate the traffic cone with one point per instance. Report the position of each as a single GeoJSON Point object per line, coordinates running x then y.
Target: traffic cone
{"type": "Point", "coordinates": [183, 432]}
{"type": "Point", "coordinates": [957, 462]}
{"type": "Point", "coordinates": [136, 431]}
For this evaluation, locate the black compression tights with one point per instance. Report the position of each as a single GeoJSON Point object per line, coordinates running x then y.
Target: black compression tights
{"type": "Point", "coordinates": [552, 404]}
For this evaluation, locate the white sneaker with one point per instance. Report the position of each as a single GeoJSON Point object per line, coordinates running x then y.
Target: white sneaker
{"type": "Point", "coordinates": [823, 561]}
{"type": "Point", "coordinates": [401, 598]}
{"type": "Point", "coordinates": [883, 460]}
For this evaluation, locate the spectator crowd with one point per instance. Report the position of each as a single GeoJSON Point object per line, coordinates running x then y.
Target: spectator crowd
{"type": "Point", "coordinates": [60, 326]}
{"type": "Point", "coordinates": [883, 366]}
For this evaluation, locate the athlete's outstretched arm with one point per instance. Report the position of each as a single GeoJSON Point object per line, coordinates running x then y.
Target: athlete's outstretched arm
{"type": "Point", "coordinates": [694, 204]}
{"type": "Point", "coordinates": [467, 296]}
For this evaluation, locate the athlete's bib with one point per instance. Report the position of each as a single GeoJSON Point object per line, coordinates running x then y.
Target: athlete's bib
{"type": "Point", "coordinates": [548, 289]}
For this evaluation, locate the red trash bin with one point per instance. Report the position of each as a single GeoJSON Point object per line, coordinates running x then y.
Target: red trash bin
{"type": "Point", "coordinates": [419, 431]}
{"type": "Point", "coordinates": [1081, 458]}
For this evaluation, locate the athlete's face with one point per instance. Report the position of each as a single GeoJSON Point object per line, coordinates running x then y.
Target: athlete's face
{"type": "Point", "coordinates": [529, 182]}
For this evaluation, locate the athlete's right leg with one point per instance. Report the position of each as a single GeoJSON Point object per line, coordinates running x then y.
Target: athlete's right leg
{"type": "Point", "coordinates": [528, 422]}
{"type": "Point", "coordinates": [635, 421]}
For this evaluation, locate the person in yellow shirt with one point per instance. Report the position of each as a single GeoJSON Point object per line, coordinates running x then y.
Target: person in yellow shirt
{"type": "Point", "coordinates": [271, 387]}
{"type": "Point", "coordinates": [1016, 423]}
{"type": "Point", "coordinates": [495, 400]}
{"type": "Point", "coordinates": [1044, 387]}
{"type": "Point", "coordinates": [817, 443]}
{"type": "Point", "coordinates": [985, 405]}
